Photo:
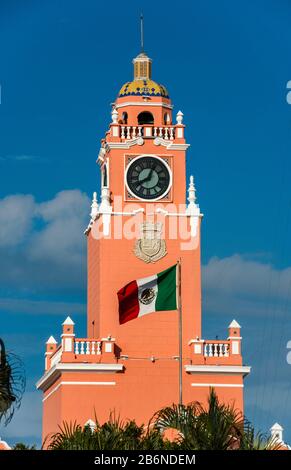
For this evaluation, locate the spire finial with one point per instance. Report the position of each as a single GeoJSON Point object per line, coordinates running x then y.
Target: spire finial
{"type": "Point", "coordinates": [142, 64]}
{"type": "Point", "coordinates": [191, 191]}
{"type": "Point", "coordinates": [94, 207]}
{"type": "Point", "coordinates": [141, 33]}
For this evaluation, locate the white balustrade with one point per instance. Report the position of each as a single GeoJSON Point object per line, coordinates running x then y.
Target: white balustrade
{"type": "Point", "coordinates": [212, 349]}
{"type": "Point", "coordinates": [55, 359]}
{"type": "Point", "coordinates": [91, 347]}
{"type": "Point", "coordinates": [131, 132]}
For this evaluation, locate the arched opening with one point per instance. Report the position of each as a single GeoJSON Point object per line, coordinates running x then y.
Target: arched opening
{"type": "Point", "coordinates": [167, 119]}
{"type": "Point", "coordinates": [124, 117]}
{"type": "Point", "coordinates": [104, 177]}
{"type": "Point", "coordinates": [145, 118]}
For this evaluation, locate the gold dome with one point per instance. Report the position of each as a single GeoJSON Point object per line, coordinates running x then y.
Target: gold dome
{"type": "Point", "coordinates": [143, 88]}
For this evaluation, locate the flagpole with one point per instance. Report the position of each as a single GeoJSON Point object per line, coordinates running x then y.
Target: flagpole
{"type": "Point", "coordinates": [180, 331]}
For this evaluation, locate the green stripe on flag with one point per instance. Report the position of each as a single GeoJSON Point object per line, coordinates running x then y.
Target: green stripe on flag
{"type": "Point", "coordinates": [166, 298]}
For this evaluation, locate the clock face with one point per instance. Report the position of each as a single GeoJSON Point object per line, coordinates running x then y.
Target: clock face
{"type": "Point", "coordinates": [148, 177]}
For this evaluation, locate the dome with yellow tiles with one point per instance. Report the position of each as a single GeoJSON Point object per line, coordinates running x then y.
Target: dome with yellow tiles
{"type": "Point", "coordinates": [145, 87]}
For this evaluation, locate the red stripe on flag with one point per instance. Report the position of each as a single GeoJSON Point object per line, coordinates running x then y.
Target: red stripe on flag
{"type": "Point", "coordinates": [128, 302]}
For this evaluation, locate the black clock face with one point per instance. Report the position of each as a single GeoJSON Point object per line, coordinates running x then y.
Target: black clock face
{"type": "Point", "coordinates": [148, 178]}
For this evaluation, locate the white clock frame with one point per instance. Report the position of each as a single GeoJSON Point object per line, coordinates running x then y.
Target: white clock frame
{"type": "Point", "coordinates": [166, 165]}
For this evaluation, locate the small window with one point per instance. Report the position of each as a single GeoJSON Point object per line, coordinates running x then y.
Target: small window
{"type": "Point", "coordinates": [145, 118]}
{"type": "Point", "coordinates": [124, 118]}
{"type": "Point", "coordinates": [166, 119]}
{"type": "Point", "coordinates": [104, 178]}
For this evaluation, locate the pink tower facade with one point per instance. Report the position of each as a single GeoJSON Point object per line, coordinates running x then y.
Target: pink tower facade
{"type": "Point", "coordinates": [147, 219]}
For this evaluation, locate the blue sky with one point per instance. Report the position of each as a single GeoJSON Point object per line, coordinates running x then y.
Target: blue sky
{"type": "Point", "coordinates": [226, 65]}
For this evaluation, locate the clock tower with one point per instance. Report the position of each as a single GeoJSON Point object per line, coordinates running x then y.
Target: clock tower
{"type": "Point", "coordinates": [145, 221]}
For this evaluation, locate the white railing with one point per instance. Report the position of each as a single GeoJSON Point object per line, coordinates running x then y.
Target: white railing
{"type": "Point", "coordinates": [131, 132]}
{"type": "Point", "coordinates": [86, 346]}
{"type": "Point", "coordinates": [55, 359]}
{"type": "Point", "coordinates": [216, 349]}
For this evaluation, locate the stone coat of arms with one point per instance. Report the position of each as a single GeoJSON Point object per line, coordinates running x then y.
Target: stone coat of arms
{"type": "Point", "coordinates": [150, 247]}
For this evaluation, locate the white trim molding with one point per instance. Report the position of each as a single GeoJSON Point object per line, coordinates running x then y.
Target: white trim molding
{"type": "Point", "coordinates": [144, 103]}
{"type": "Point", "coordinates": [124, 145]}
{"type": "Point", "coordinates": [75, 383]}
{"type": "Point", "coordinates": [55, 372]}
{"type": "Point", "coordinates": [223, 369]}
{"type": "Point", "coordinates": [140, 141]}
{"type": "Point", "coordinates": [170, 145]}
{"type": "Point", "coordinates": [156, 157]}
{"type": "Point", "coordinates": [217, 385]}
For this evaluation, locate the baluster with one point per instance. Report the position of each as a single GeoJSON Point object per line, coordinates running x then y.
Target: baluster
{"type": "Point", "coordinates": [139, 131]}
{"type": "Point", "coordinates": [128, 132]}
{"type": "Point", "coordinates": [122, 132]}
{"type": "Point", "coordinates": [166, 133]}
{"type": "Point", "coordinates": [161, 132]}
{"type": "Point", "coordinates": [171, 133]}
{"type": "Point", "coordinates": [210, 354]}
{"type": "Point", "coordinates": [76, 347]}
{"type": "Point", "coordinates": [93, 347]}
{"type": "Point", "coordinates": [226, 349]}
{"type": "Point", "coordinates": [87, 347]}
{"type": "Point", "coordinates": [98, 347]}
{"type": "Point", "coordinates": [205, 349]}
{"type": "Point", "coordinates": [133, 132]}
{"type": "Point", "coordinates": [215, 350]}
{"type": "Point", "coordinates": [82, 347]}
{"type": "Point", "coordinates": [220, 352]}
{"type": "Point", "coordinates": [155, 131]}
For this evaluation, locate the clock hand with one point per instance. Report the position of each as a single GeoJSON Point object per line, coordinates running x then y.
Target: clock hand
{"type": "Point", "coordinates": [147, 178]}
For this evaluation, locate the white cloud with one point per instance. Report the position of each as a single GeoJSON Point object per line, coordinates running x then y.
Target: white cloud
{"type": "Point", "coordinates": [16, 215]}
{"type": "Point", "coordinates": [62, 239]}
{"type": "Point", "coordinates": [45, 240]}
{"type": "Point", "coordinates": [236, 285]}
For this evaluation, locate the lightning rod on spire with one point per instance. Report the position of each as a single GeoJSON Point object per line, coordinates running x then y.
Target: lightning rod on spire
{"type": "Point", "coordinates": [141, 33]}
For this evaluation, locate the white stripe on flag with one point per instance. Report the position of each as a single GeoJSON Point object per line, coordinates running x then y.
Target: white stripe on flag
{"type": "Point", "coordinates": [149, 282]}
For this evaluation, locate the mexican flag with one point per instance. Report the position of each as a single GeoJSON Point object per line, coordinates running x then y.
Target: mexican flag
{"type": "Point", "coordinates": [149, 294]}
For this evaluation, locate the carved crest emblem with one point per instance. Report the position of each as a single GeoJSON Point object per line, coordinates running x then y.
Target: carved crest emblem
{"type": "Point", "coordinates": [150, 247]}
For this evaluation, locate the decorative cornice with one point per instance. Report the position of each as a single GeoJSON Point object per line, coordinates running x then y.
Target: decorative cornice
{"type": "Point", "coordinates": [133, 213]}
{"type": "Point", "coordinates": [170, 145]}
{"type": "Point", "coordinates": [101, 156]}
{"type": "Point", "coordinates": [55, 372]}
{"type": "Point", "coordinates": [138, 103]}
{"type": "Point", "coordinates": [223, 369]}
{"type": "Point", "coordinates": [124, 145]}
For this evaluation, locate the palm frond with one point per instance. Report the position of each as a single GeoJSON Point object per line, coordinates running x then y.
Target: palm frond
{"type": "Point", "coordinates": [12, 383]}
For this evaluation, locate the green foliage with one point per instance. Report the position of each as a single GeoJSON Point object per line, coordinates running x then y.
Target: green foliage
{"type": "Point", "coordinates": [112, 435]}
{"type": "Point", "coordinates": [21, 446]}
{"type": "Point", "coordinates": [12, 383]}
{"type": "Point", "coordinates": [216, 426]}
